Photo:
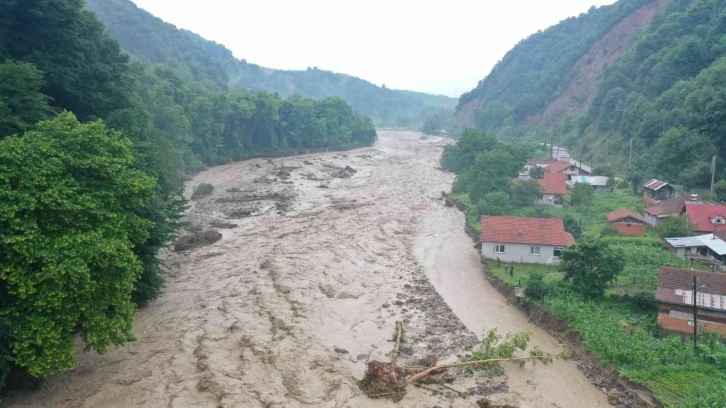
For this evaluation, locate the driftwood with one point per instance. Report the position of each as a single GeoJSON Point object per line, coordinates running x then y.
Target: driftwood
{"type": "Point", "coordinates": [435, 368]}
{"type": "Point", "coordinates": [390, 380]}
{"type": "Point", "coordinates": [399, 336]}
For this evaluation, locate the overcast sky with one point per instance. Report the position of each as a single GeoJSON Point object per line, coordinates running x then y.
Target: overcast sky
{"type": "Point", "coordinates": [442, 47]}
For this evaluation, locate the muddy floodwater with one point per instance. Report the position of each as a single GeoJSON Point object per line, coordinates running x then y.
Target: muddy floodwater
{"type": "Point", "coordinates": [320, 254]}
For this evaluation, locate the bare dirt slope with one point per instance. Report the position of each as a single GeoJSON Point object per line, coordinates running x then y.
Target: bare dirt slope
{"type": "Point", "coordinates": [287, 307]}
{"type": "Point", "coordinates": [581, 83]}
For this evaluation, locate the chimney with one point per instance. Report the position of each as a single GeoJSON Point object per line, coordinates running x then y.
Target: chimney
{"type": "Point", "coordinates": [695, 199]}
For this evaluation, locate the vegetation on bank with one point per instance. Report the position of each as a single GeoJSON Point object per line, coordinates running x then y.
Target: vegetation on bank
{"type": "Point", "coordinates": [92, 170]}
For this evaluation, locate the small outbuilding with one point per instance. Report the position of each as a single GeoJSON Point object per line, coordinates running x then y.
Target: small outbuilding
{"type": "Point", "coordinates": [675, 297]}
{"type": "Point", "coordinates": [626, 222]}
{"type": "Point", "coordinates": [657, 190]}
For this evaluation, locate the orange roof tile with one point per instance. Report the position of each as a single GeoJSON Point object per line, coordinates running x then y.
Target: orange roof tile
{"type": "Point", "coordinates": [559, 166]}
{"type": "Point", "coordinates": [554, 183]}
{"type": "Point", "coordinates": [623, 213]}
{"type": "Point", "coordinates": [520, 230]}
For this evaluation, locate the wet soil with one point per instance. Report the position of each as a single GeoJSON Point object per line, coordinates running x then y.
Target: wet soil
{"type": "Point", "coordinates": [286, 309]}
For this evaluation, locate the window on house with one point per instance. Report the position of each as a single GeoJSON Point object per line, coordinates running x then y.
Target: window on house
{"type": "Point", "coordinates": [558, 252]}
{"type": "Point", "coordinates": [540, 197]}
{"type": "Point", "coordinates": [499, 249]}
{"type": "Point", "coordinates": [534, 250]}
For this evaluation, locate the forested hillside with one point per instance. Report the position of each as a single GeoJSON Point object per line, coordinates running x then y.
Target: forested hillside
{"type": "Point", "coordinates": [93, 152]}
{"type": "Point", "coordinates": [663, 88]}
{"type": "Point", "coordinates": [150, 39]}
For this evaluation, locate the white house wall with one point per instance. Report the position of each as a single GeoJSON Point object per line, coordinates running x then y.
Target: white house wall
{"type": "Point", "coordinates": [519, 253]}
{"type": "Point", "coordinates": [547, 199]}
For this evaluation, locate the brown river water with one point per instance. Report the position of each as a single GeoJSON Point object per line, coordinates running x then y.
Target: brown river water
{"type": "Point", "coordinates": [285, 310]}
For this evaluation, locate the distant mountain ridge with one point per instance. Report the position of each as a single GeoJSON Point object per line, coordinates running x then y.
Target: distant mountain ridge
{"type": "Point", "coordinates": [650, 71]}
{"type": "Point", "coordinates": [152, 40]}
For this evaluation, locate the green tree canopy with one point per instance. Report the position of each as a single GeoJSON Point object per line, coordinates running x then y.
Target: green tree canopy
{"type": "Point", "coordinates": [494, 203]}
{"type": "Point", "coordinates": [582, 194]}
{"type": "Point", "coordinates": [591, 265]}
{"type": "Point", "coordinates": [22, 104]}
{"type": "Point", "coordinates": [67, 232]}
{"type": "Point", "coordinates": [680, 226]}
{"type": "Point", "coordinates": [524, 192]}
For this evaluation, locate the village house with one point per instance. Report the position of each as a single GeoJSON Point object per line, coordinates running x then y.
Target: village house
{"type": "Point", "coordinates": [708, 249]}
{"type": "Point", "coordinates": [626, 222]}
{"type": "Point", "coordinates": [675, 300]}
{"type": "Point", "coordinates": [707, 217]}
{"type": "Point", "coordinates": [552, 188]}
{"type": "Point", "coordinates": [524, 240]}
{"type": "Point", "coordinates": [599, 183]}
{"type": "Point", "coordinates": [673, 207]}
{"type": "Point", "coordinates": [657, 190]}
{"type": "Point", "coordinates": [568, 168]}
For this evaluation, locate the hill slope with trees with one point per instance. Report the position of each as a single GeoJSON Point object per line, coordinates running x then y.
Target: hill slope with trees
{"type": "Point", "coordinates": [661, 86]}
{"type": "Point", "coordinates": [152, 40]}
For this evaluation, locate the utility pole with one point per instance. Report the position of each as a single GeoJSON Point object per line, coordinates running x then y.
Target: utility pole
{"type": "Point", "coordinates": [713, 173]}
{"type": "Point", "coordinates": [607, 151]}
{"type": "Point", "coordinates": [695, 313]}
{"type": "Point", "coordinates": [630, 157]}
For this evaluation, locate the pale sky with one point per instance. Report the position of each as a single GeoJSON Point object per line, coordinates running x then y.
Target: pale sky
{"type": "Point", "coordinates": [442, 47]}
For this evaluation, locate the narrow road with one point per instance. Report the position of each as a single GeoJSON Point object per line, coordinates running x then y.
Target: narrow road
{"type": "Point", "coordinates": [286, 309]}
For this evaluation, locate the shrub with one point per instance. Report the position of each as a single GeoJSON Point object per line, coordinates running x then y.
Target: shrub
{"type": "Point", "coordinates": [607, 231]}
{"type": "Point", "coordinates": [202, 190]}
{"type": "Point", "coordinates": [536, 288]}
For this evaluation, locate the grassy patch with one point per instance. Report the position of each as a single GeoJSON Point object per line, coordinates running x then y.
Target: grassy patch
{"type": "Point", "coordinates": [523, 271]}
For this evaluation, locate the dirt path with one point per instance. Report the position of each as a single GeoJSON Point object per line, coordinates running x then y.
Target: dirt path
{"type": "Point", "coordinates": [287, 307]}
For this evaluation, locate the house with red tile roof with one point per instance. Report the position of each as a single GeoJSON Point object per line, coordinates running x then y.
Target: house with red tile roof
{"type": "Point", "coordinates": [626, 222]}
{"type": "Point", "coordinates": [656, 212]}
{"type": "Point", "coordinates": [524, 240]}
{"type": "Point", "coordinates": [675, 296]}
{"type": "Point", "coordinates": [567, 168]}
{"type": "Point", "coordinates": [552, 188]}
{"type": "Point", "coordinates": [707, 218]}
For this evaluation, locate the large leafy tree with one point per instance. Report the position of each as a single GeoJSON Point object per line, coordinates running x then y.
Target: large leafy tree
{"type": "Point", "coordinates": [85, 70]}
{"type": "Point", "coordinates": [591, 265]}
{"type": "Point", "coordinates": [22, 104]}
{"type": "Point", "coordinates": [68, 228]}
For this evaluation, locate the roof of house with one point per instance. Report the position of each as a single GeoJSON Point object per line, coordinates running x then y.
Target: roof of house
{"type": "Point", "coordinates": [672, 206]}
{"type": "Point", "coordinates": [675, 285]}
{"type": "Point", "coordinates": [655, 184]}
{"type": "Point", "coordinates": [598, 181]}
{"type": "Point", "coordinates": [554, 183]}
{"type": "Point", "coordinates": [559, 166]}
{"type": "Point", "coordinates": [701, 215]}
{"type": "Point", "coordinates": [623, 213]}
{"type": "Point", "coordinates": [520, 230]}
{"type": "Point", "coordinates": [684, 242]}
{"type": "Point", "coordinates": [533, 162]}
{"type": "Point", "coordinates": [711, 241]}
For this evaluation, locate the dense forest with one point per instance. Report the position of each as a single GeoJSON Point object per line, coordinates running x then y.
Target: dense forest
{"type": "Point", "coordinates": [665, 92]}
{"type": "Point", "coordinates": [93, 153]}
{"type": "Point", "coordinates": [151, 40]}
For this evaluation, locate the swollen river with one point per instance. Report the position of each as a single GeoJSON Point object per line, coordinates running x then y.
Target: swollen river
{"type": "Point", "coordinates": [316, 263]}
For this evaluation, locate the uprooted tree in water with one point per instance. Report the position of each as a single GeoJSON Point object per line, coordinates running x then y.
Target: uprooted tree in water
{"type": "Point", "coordinates": [389, 379]}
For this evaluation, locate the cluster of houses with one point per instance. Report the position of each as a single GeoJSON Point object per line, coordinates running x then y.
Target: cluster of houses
{"type": "Point", "coordinates": [542, 240]}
